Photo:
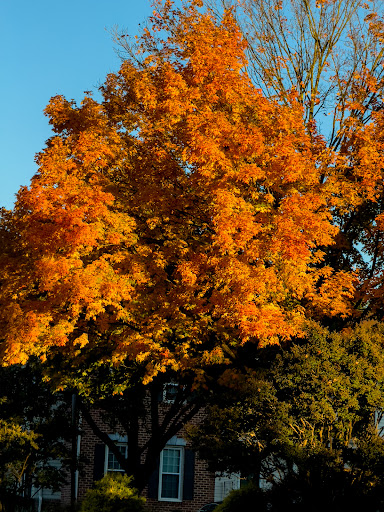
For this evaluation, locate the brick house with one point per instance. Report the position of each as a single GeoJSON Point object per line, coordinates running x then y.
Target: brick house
{"type": "Point", "coordinates": [180, 482]}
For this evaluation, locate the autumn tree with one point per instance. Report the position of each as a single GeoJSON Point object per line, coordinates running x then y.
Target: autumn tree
{"type": "Point", "coordinates": [330, 55]}
{"type": "Point", "coordinates": [181, 215]}
{"type": "Point", "coordinates": [179, 218]}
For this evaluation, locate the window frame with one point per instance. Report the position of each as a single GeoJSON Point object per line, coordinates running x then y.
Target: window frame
{"type": "Point", "coordinates": [179, 498]}
{"type": "Point", "coordinates": [224, 484]}
{"type": "Point", "coordinates": [107, 450]}
{"type": "Point", "coordinates": [166, 387]}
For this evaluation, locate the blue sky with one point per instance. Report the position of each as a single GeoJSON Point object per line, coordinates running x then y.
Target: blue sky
{"type": "Point", "coordinates": [47, 48]}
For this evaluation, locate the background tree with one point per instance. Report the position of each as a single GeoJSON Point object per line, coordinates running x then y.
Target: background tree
{"type": "Point", "coordinates": [329, 52]}
{"type": "Point", "coordinates": [330, 55]}
{"type": "Point", "coordinates": [34, 430]}
{"type": "Point", "coordinates": [310, 426]}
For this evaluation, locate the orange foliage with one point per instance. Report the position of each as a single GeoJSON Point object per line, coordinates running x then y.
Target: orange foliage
{"type": "Point", "coordinates": [183, 214]}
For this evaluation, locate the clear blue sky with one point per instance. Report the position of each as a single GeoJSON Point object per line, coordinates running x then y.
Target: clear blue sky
{"type": "Point", "coordinates": [49, 47]}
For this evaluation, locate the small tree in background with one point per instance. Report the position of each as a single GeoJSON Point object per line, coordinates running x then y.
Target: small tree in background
{"type": "Point", "coordinates": [34, 429]}
{"type": "Point", "coordinates": [306, 420]}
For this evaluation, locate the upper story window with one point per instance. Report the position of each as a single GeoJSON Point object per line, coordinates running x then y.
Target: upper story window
{"type": "Point", "coordinates": [170, 475]}
{"type": "Point", "coordinates": [111, 463]}
{"type": "Point", "coordinates": [170, 391]}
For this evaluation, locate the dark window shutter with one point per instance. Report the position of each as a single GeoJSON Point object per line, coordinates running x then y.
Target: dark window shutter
{"type": "Point", "coordinates": [189, 474]}
{"type": "Point", "coordinates": [153, 483]}
{"type": "Point", "coordinates": [99, 462]}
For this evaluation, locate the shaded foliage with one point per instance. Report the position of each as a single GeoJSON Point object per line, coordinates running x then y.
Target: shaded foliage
{"type": "Point", "coordinates": [306, 420]}
{"type": "Point", "coordinates": [34, 430]}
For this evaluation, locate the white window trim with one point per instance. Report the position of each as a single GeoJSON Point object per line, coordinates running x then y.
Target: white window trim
{"type": "Point", "coordinates": [179, 499]}
{"type": "Point", "coordinates": [106, 469]}
{"type": "Point", "coordinates": [224, 484]}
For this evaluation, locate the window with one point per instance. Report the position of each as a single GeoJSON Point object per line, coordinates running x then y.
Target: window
{"type": "Point", "coordinates": [111, 463]}
{"type": "Point", "coordinates": [170, 475]}
{"type": "Point", "coordinates": [224, 484]}
{"type": "Point", "coordinates": [170, 391]}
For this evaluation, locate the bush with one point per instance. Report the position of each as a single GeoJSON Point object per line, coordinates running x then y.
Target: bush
{"type": "Point", "coordinates": [113, 493]}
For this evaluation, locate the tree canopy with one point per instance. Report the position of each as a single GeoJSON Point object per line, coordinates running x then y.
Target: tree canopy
{"type": "Point", "coordinates": [194, 211]}
{"type": "Point", "coordinates": [181, 216]}
{"type": "Point", "coordinates": [330, 55]}
{"type": "Point", "coordinates": [307, 420]}
{"type": "Point", "coordinates": [34, 432]}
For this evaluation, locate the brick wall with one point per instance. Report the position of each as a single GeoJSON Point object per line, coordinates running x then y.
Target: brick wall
{"type": "Point", "coordinates": [204, 481]}
{"type": "Point", "coordinates": [203, 493]}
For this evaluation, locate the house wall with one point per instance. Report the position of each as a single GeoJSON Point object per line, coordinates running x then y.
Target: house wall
{"type": "Point", "coordinates": [90, 444]}
{"type": "Point", "coordinates": [204, 484]}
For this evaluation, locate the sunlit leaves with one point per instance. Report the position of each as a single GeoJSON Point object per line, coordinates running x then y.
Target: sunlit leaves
{"type": "Point", "coordinates": [183, 214]}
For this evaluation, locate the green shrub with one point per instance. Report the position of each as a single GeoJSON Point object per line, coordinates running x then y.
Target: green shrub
{"type": "Point", "coordinates": [113, 493]}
